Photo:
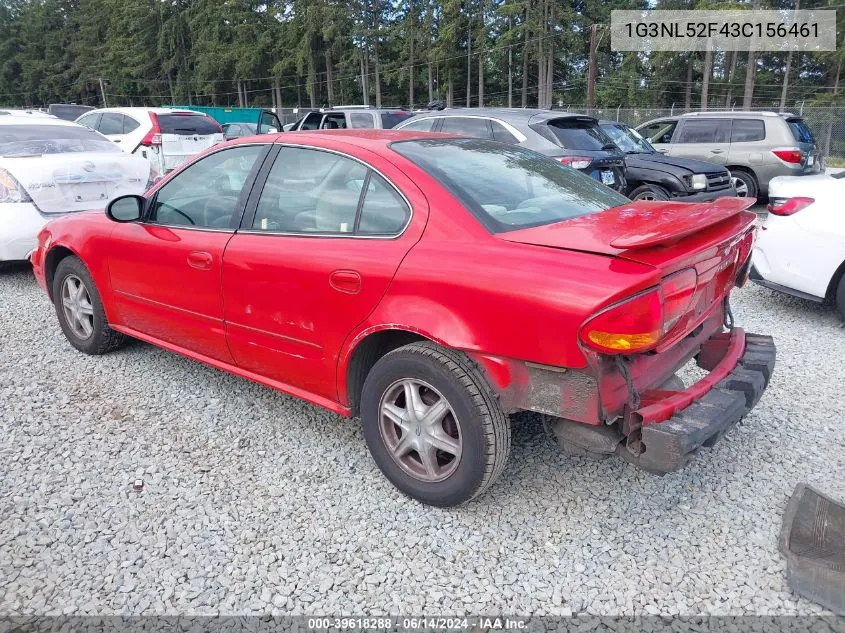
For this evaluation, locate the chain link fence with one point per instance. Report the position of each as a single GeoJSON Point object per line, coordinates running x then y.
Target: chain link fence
{"type": "Point", "coordinates": [827, 123]}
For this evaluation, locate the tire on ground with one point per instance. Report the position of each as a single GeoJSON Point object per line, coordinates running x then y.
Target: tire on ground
{"type": "Point", "coordinates": [840, 297]}
{"type": "Point", "coordinates": [102, 339]}
{"type": "Point", "coordinates": [748, 180]}
{"type": "Point", "coordinates": [649, 192]}
{"type": "Point", "coordinates": [484, 428]}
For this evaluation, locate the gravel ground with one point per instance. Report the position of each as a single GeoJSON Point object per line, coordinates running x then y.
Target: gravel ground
{"type": "Point", "coordinates": [256, 502]}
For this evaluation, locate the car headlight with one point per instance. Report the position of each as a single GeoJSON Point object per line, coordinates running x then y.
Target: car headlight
{"type": "Point", "coordinates": [698, 181]}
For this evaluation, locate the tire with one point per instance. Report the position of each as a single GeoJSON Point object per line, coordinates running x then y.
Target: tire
{"type": "Point", "coordinates": [745, 183]}
{"type": "Point", "coordinates": [840, 297]}
{"type": "Point", "coordinates": [478, 431]}
{"type": "Point", "coordinates": [96, 337]}
{"type": "Point", "coordinates": [649, 192]}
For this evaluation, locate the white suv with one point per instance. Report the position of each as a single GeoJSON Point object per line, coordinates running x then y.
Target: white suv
{"type": "Point", "coordinates": [164, 136]}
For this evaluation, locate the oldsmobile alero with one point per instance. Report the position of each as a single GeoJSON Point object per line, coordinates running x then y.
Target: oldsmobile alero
{"type": "Point", "coordinates": [432, 286]}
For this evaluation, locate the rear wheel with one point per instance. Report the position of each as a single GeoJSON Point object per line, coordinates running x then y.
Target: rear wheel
{"type": "Point", "coordinates": [840, 297]}
{"type": "Point", "coordinates": [745, 183]}
{"type": "Point", "coordinates": [433, 425]}
{"type": "Point", "coordinates": [649, 192]}
{"type": "Point", "coordinates": [80, 309]}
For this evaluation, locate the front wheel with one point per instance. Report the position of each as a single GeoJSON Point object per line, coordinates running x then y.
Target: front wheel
{"type": "Point", "coordinates": [840, 297]}
{"type": "Point", "coordinates": [80, 309]}
{"type": "Point", "coordinates": [746, 185]}
{"type": "Point", "coordinates": [433, 425]}
{"type": "Point", "coordinates": [649, 192]}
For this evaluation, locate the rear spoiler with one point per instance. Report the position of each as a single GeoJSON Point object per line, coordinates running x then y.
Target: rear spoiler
{"type": "Point", "coordinates": [696, 217]}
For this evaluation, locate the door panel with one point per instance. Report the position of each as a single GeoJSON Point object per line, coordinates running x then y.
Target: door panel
{"type": "Point", "coordinates": [704, 139]}
{"type": "Point", "coordinates": [301, 274]}
{"type": "Point", "coordinates": [165, 272]}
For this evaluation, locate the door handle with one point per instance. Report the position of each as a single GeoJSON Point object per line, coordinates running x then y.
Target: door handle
{"type": "Point", "coordinates": [200, 260]}
{"type": "Point", "coordinates": [717, 151]}
{"type": "Point", "coordinates": [662, 151]}
{"type": "Point", "coordinates": [348, 281]}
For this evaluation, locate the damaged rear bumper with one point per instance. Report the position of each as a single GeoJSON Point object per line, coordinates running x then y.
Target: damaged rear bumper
{"type": "Point", "coordinates": [675, 424]}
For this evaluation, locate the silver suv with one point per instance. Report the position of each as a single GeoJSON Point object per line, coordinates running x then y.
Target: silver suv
{"type": "Point", "coordinates": [754, 146]}
{"type": "Point", "coordinates": [350, 117]}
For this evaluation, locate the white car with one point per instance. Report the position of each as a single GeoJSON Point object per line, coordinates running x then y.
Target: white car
{"type": "Point", "coordinates": [164, 136]}
{"type": "Point", "coordinates": [49, 167]}
{"type": "Point", "coordinates": [801, 247]}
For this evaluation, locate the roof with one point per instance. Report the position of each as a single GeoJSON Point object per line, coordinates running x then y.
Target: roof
{"type": "Point", "coordinates": [510, 114]}
{"type": "Point", "coordinates": [38, 114]}
{"type": "Point", "coordinates": [366, 138]}
{"type": "Point", "coordinates": [738, 113]}
{"type": "Point", "coordinates": [11, 117]}
{"type": "Point", "coordinates": [140, 109]}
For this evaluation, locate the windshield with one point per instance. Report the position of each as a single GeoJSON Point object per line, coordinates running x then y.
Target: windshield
{"type": "Point", "coordinates": [628, 140]}
{"type": "Point", "coordinates": [35, 140]}
{"type": "Point", "coordinates": [508, 188]}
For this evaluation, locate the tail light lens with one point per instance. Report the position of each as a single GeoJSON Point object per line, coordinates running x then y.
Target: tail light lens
{"type": "Point", "coordinates": [788, 154]}
{"type": "Point", "coordinates": [636, 324]}
{"type": "Point", "coordinates": [153, 137]}
{"type": "Point", "coordinates": [576, 162]}
{"type": "Point", "coordinates": [630, 326]}
{"type": "Point", "coordinates": [11, 190]}
{"type": "Point", "coordinates": [788, 206]}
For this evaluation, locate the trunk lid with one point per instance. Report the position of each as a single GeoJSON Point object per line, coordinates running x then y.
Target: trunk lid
{"type": "Point", "coordinates": [186, 134]}
{"type": "Point", "coordinates": [713, 238]}
{"type": "Point", "coordinates": [67, 182]}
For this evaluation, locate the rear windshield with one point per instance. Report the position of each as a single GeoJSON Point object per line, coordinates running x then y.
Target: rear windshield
{"type": "Point", "coordinates": [579, 134]}
{"type": "Point", "coordinates": [508, 188]}
{"type": "Point", "coordinates": [35, 140]}
{"type": "Point", "coordinates": [392, 119]}
{"type": "Point", "coordinates": [187, 124]}
{"type": "Point", "coordinates": [801, 131]}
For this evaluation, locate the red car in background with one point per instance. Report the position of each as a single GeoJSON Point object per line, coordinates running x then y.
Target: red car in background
{"type": "Point", "coordinates": [431, 285]}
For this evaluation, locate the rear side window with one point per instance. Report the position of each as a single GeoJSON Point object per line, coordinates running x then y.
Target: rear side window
{"type": "Point", "coordinates": [746, 130]}
{"type": "Point", "coordinates": [187, 124]}
{"type": "Point", "coordinates": [467, 126]}
{"type": "Point", "coordinates": [34, 140]}
{"type": "Point", "coordinates": [111, 123]}
{"type": "Point", "coordinates": [392, 119]}
{"type": "Point", "coordinates": [384, 211]}
{"type": "Point", "coordinates": [502, 134]}
{"type": "Point", "coordinates": [574, 133]}
{"type": "Point", "coordinates": [361, 120]}
{"type": "Point", "coordinates": [423, 125]}
{"type": "Point", "coordinates": [801, 131]}
{"type": "Point", "coordinates": [129, 124]}
{"type": "Point", "coordinates": [705, 131]}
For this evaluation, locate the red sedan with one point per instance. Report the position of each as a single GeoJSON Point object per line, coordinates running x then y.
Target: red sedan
{"type": "Point", "coordinates": [432, 286]}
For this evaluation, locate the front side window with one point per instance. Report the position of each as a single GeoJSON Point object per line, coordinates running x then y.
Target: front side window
{"type": "Point", "coordinates": [466, 126]}
{"type": "Point", "coordinates": [313, 191]}
{"type": "Point", "coordinates": [705, 131]}
{"type": "Point", "coordinates": [35, 140]}
{"type": "Point", "coordinates": [334, 122]}
{"type": "Point", "coordinates": [206, 194]}
{"type": "Point", "coordinates": [312, 121]}
{"type": "Point", "coordinates": [508, 188]}
{"type": "Point", "coordinates": [660, 131]}
{"type": "Point", "coordinates": [90, 120]}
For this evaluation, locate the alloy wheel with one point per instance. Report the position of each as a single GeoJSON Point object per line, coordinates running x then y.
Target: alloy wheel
{"type": "Point", "coordinates": [741, 187]}
{"type": "Point", "coordinates": [76, 304]}
{"type": "Point", "coordinates": [420, 430]}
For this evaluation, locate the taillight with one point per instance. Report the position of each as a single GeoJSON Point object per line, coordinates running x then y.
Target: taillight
{"type": "Point", "coordinates": [678, 290]}
{"type": "Point", "coordinates": [11, 190]}
{"type": "Point", "coordinates": [630, 326]}
{"type": "Point", "coordinates": [636, 324]}
{"type": "Point", "coordinates": [153, 137]}
{"type": "Point", "coordinates": [788, 154]}
{"type": "Point", "coordinates": [788, 206]}
{"type": "Point", "coordinates": [576, 162]}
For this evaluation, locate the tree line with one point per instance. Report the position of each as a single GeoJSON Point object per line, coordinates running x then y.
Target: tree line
{"type": "Point", "coordinates": [311, 53]}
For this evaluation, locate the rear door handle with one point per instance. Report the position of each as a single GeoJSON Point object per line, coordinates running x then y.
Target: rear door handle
{"type": "Point", "coordinates": [200, 260]}
{"type": "Point", "coordinates": [717, 151]}
{"type": "Point", "coordinates": [348, 281]}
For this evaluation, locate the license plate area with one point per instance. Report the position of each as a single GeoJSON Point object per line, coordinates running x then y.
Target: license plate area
{"type": "Point", "coordinates": [607, 177]}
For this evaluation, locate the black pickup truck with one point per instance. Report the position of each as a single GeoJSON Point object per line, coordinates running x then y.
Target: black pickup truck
{"type": "Point", "coordinates": [654, 176]}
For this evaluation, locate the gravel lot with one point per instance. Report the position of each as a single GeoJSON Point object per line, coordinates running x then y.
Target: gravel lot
{"type": "Point", "coordinates": [256, 502]}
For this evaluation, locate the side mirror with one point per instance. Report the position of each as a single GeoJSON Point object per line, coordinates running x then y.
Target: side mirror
{"type": "Point", "coordinates": [126, 208]}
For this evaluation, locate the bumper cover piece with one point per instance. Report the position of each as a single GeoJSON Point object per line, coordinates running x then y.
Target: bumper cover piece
{"type": "Point", "coordinates": [813, 540]}
{"type": "Point", "coordinates": [742, 378]}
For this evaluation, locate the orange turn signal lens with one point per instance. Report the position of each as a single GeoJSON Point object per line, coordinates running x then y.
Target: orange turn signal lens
{"type": "Point", "coordinates": [623, 342]}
